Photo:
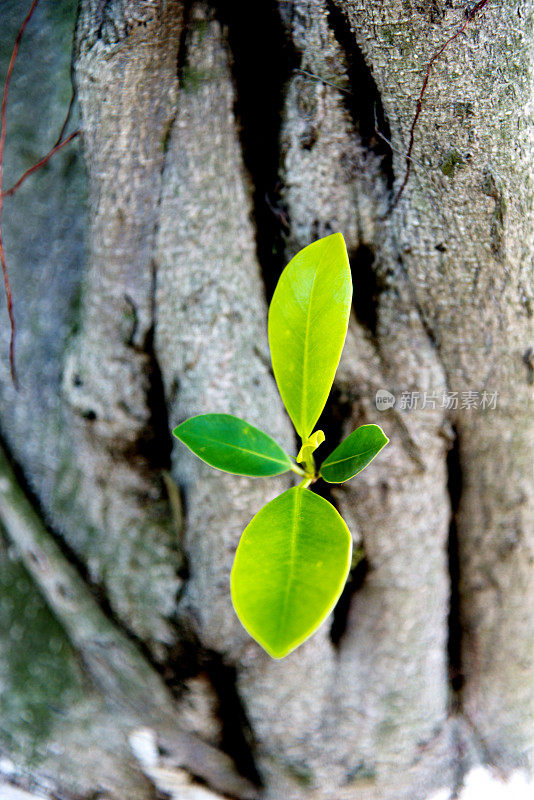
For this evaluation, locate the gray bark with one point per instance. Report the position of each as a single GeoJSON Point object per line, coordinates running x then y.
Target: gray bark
{"type": "Point", "coordinates": [215, 145]}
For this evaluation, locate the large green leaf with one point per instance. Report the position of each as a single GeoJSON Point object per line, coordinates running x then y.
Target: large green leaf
{"type": "Point", "coordinates": [308, 321]}
{"type": "Point", "coordinates": [233, 445]}
{"type": "Point", "coordinates": [353, 454]}
{"type": "Point", "coordinates": [289, 570]}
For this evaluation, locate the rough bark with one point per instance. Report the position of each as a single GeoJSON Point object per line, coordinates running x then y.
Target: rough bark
{"type": "Point", "coordinates": [218, 140]}
{"type": "Point", "coordinates": [465, 239]}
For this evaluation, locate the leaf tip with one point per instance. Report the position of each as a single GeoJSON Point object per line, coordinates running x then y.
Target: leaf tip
{"type": "Point", "coordinates": [339, 236]}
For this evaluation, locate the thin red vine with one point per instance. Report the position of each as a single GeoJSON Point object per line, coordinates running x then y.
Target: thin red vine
{"type": "Point", "coordinates": [11, 191]}
{"type": "Point", "coordinates": [7, 285]}
{"type": "Point", "coordinates": [470, 14]}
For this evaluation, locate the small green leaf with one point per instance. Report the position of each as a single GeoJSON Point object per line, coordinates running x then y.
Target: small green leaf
{"type": "Point", "coordinates": [308, 321]}
{"type": "Point", "coordinates": [310, 446]}
{"type": "Point", "coordinates": [353, 454]}
{"type": "Point", "coordinates": [289, 570]}
{"type": "Point", "coordinates": [233, 445]}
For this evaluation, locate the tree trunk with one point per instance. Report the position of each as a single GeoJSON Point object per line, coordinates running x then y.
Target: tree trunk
{"type": "Point", "coordinates": [218, 139]}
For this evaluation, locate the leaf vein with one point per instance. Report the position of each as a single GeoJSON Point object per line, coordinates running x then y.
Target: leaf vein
{"type": "Point", "coordinates": [304, 396]}
{"type": "Point", "coordinates": [240, 449]}
{"type": "Point", "coordinates": [292, 549]}
{"type": "Point", "coordinates": [349, 458]}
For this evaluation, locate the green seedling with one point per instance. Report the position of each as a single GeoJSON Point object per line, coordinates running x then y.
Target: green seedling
{"type": "Point", "coordinates": [294, 557]}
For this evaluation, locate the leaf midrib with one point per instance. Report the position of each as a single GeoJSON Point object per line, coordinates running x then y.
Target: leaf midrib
{"type": "Point", "coordinates": [241, 449]}
{"type": "Point", "coordinates": [304, 396]}
{"type": "Point", "coordinates": [292, 549]}
{"type": "Point", "coordinates": [348, 458]}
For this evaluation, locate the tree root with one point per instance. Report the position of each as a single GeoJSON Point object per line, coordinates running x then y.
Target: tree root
{"type": "Point", "coordinates": [112, 660]}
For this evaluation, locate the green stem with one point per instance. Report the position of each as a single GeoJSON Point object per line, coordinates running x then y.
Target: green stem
{"type": "Point", "coordinates": [305, 483]}
{"type": "Point", "coordinates": [298, 470]}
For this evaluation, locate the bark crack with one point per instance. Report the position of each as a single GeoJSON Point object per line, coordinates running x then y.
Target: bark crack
{"type": "Point", "coordinates": [365, 276]}
{"type": "Point", "coordinates": [454, 644]}
{"type": "Point", "coordinates": [181, 59]}
{"type": "Point", "coordinates": [237, 735]}
{"type": "Point", "coordinates": [355, 581]}
{"type": "Point", "coordinates": [261, 67]}
{"type": "Point", "coordinates": [190, 659]}
{"type": "Point", "coordinates": [363, 102]}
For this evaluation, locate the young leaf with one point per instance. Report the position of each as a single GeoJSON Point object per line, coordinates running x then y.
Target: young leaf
{"type": "Point", "coordinates": [353, 454]}
{"type": "Point", "coordinates": [308, 321]}
{"type": "Point", "coordinates": [310, 446]}
{"type": "Point", "coordinates": [289, 570]}
{"type": "Point", "coordinates": [233, 445]}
